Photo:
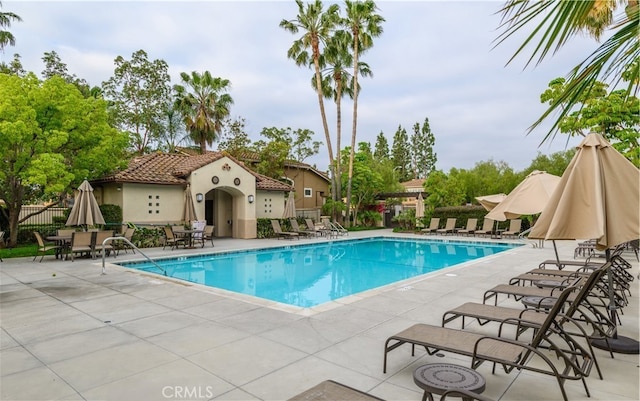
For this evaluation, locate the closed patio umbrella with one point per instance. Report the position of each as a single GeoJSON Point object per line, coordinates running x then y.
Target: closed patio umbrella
{"type": "Point", "coordinates": [189, 211]}
{"type": "Point", "coordinates": [85, 210]}
{"type": "Point", "coordinates": [529, 197]}
{"type": "Point", "coordinates": [289, 207]}
{"type": "Point", "coordinates": [420, 207]}
{"type": "Point", "coordinates": [598, 197]}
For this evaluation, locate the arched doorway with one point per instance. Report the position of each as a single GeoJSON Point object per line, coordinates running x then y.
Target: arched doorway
{"type": "Point", "coordinates": [226, 208]}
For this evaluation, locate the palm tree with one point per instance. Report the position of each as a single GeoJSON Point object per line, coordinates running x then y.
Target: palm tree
{"type": "Point", "coordinates": [317, 26]}
{"type": "Point", "coordinates": [364, 25]}
{"type": "Point", "coordinates": [204, 106]}
{"type": "Point", "coordinates": [554, 23]}
{"type": "Point", "coordinates": [6, 38]}
{"type": "Point", "coordinates": [337, 81]}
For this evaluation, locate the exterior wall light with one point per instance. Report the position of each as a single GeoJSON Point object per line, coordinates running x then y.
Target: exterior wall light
{"type": "Point", "coordinates": [199, 197]}
{"type": "Point", "coordinates": [251, 198]}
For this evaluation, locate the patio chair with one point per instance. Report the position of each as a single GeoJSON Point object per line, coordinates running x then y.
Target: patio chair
{"type": "Point", "coordinates": [81, 242]}
{"type": "Point", "coordinates": [471, 227]}
{"type": "Point", "coordinates": [124, 246]}
{"type": "Point", "coordinates": [312, 227]}
{"type": "Point", "coordinates": [515, 226]}
{"type": "Point", "coordinates": [63, 232]}
{"type": "Point", "coordinates": [487, 228]}
{"type": "Point", "coordinates": [434, 224]}
{"type": "Point", "coordinates": [341, 230]}
{"type": "Point", "coordinates": [296, 229]}
{"type": "Point", "coordinates": [518, 292]}
{"type": "Point", "coordinates": [43, 247]}
{"type": "Point", "coordinates": [330, 229]}
{"type": "Point", "coordinates": [448, 228]}
{"type": "Point", "coordinates": [510, 354]}
{"type": "Point", "coordinates": [275, 224]}
{"type": "Point", "coordinates": [107, 248]}
{"type": "Point", "coordinates": [170, 238]}
{"type": "Point", "coordinates": [207, 235]}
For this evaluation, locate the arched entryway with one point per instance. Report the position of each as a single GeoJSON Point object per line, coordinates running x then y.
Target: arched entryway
{"type": "Point", "coordinates": [226, 208]}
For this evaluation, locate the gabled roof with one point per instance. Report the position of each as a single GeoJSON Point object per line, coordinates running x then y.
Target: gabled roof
{"type": "Point", "coordinates": [253, 157]}
{"type": "Point", "coordinates": [415, 183]}
{"type": "Point", "coordinates": [174, 168]}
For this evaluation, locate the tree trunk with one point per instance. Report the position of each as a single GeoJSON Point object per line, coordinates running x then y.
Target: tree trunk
{"type": "Point", "coordinates": [338, 139]}
{"type": "Point", "coordinates": [354, 127]}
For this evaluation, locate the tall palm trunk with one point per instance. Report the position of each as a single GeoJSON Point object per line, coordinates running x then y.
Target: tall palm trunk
{"type": "Point", "coordinates": [354, 129]}
{"type": "Point", "coordinates": [338, 172]}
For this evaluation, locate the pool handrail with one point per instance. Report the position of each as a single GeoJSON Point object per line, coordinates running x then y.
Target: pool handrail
{"type": "Point", "coordinates": [134, 247]}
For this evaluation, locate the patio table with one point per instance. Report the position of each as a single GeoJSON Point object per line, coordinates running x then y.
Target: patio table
{"type": "Point", "coordinates": [63, 241]}
{"type": "Point", "coordinates": [189, 235]}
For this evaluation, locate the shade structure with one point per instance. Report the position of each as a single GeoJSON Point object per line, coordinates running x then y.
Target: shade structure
{"type": "Point", "coordinates": [529, 197]}
{"type": "Point", "coordinates": [420, 206]}
{"type": "Point", "coordinates": [188, 211]}
{"type": "Point", "coordinates": [289, 207]}
{"type": "Point", "coordinates": [597, 198]}
{"type": "Point", "coordinates": [85, 210]}
{"type": "Point", "coordinates": [490, 201]}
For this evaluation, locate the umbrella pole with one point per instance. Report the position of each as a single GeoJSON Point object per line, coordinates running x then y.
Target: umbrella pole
{"type": "Point", "coordinates": [555, 249]}
{"type": "Point", "coordinates": [619, 344]}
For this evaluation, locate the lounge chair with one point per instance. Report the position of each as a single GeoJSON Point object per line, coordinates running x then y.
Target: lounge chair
{"type": "Point", "coordinates": [124, 246]}
{"type": "Point", "coordinates": [434, 224]}
{"type": "Point", "coordinates": [515, 226]}
{"type": "Point", "coordinates": [296, 229]}
{"type": "Point", "coordinates": [43, 247]}
{"type": "Point", "coordinates": [578, 310]}
{"type": "Point", "coordinates": [470, 228]}
{"type": "Point", "coordinates": [510, 354]}
{"type": "Point", "coordinates": [448, 228]}
{"type": "Point", "coordinates": [275, 224]}
{"type": "Point", "coordinates": [487, 228]}
{"type": "Point", "coordinates": [312, 227]}
{"type": "Point", "coordinates": [332, 390]}
{"type": "Point", "coordinates": [519, 292]}
{"type": "Point", "coordinates": [82, 242]}
{"type": "Point", "coordinates": [330, 229]}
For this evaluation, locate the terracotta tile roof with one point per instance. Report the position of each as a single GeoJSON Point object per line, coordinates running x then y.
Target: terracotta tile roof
{"type": "Point", "coordinates": [253, 157]}
{"type": "Point", "coordinates": [174, 168]}
{"type": "Point", "coordinates": [415, 183]}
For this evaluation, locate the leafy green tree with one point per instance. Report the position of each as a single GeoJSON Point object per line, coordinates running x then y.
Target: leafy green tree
{"type": "Point", "coordinates": [381, 151]}
{"type": "Point", "coordinates": [204, 104]}
{"type": "Point", "coordinates": [299, 142]}
{"type": "Point", "coordinates": [14, 67]}
{"type": "Point", "coordinates": [366, 180]}
{"type": "Point", "coordinates": [54, 66]}
{"type": "Point", "coordinates": [317, 26]}
{"type": "Point", "coordinates": [486, 178]}
{"type": "Point", "coordinates": [173, 132]}
{"type": "Point", "coordinates": [6, 37]}
{"type": "Point", "coordinates": [424, 158]}
{"type": "Point", "coordinates": [554, 163]}
{"type": "Point", "coordinates": [401, 154]}
{"type": "Point", "coordinates": [552, 24]}
{"type": "Point", "coordinates": [139, 91]}
{"type": "Point", "coordinates": [614, 115]}
{"type": "Point", "coordinates": [273, 154]}
{"type": "Point", "coordinates": [364, 24]}
{"type": "Point", "coordinates": [443, 190]}
{"type": "Point", "coordinates": [234, 139]}
{"type": "Point", "coordinates": [51, 138]}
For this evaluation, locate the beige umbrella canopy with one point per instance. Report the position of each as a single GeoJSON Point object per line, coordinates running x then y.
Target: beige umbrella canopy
{"type": "Point", "coordinates": [598, 197]}
{"type": "Point", "coordinates": [490, 201]}
{"type": "Point", "coordinates": [289, 207]}
{"type": "Point", "coordinates": [85, 210]}
{"type": "Point", "coordinates": [189, 211]}
{"type": "Point", "coordinates": [529, 197]}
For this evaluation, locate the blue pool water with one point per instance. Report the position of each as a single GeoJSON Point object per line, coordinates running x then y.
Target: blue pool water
{"type": "Point", "coordinates": [309, 275]}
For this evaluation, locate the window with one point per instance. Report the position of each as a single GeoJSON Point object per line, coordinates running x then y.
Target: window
{"type": "Point", "coordinates": [308, 192]}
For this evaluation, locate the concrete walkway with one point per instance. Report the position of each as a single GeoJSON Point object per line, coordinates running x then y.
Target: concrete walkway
{"type": "Point", "coordinates": [70, 333]}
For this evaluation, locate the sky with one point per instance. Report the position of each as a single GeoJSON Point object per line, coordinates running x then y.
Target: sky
{"type": "Point", "coordinates": [435, 60]}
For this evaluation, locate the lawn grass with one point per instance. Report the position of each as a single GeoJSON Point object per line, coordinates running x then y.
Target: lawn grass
{"type": "Point", "coordinates": [21, 251]}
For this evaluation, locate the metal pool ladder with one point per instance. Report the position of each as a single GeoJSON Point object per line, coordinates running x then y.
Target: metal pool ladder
{"type": "Point", "coordinates": [134, 247]}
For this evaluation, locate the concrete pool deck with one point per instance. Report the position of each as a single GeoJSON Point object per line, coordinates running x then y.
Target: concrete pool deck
{"type": "Point", "coordinates": [69, 332]}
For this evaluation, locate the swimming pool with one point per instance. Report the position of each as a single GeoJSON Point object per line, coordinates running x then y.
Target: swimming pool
{"type": "Point", "coordinates": [311, 274]}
